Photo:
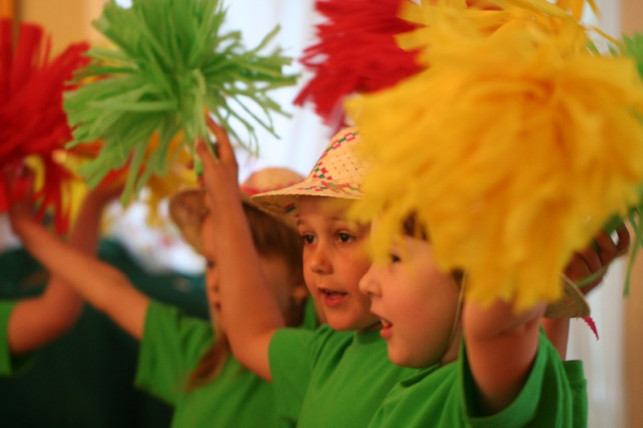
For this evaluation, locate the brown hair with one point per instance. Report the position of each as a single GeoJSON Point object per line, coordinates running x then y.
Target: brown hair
{"type": "Point", "coordinates": [415, 229]}
{"type": "Point", "coordinates": [271, 238]}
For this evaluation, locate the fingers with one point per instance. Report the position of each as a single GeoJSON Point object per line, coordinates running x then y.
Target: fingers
{"type": "Point", "coordinates": [224, 148]}
{"type": "Point", "coordinates": [592, 259]}
{"type": "Point", "coordinates": [623, 244]}
{"type": "Point", "coordinates": [577, 268]}
{"type": "Point", "coordinates": [207, 158]}
{"type": "Point", "coordinates": [595, 259]}
{"type": "Point", "coordinates": [609, 250]}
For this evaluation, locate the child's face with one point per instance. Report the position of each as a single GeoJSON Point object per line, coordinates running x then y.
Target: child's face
{"type": "Point", "coordinates": [276, 270]}
{"type": "Point", "coordinates": [208, 248]}
{"type": "Point", "coordinates": [416, 302]}
{"type": "Point", "coordinates": [334, 261]}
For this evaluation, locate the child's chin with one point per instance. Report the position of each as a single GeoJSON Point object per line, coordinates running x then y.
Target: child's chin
{"type": "Point", "coordinates": [403, 360]}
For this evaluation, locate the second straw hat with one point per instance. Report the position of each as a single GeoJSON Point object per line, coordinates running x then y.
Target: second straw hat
{"type": "Point", "coordinates": [188, 209]}
{"type": "Point", "coordinates": [338, 173]}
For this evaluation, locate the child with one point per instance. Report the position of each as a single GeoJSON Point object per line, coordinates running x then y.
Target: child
{"type": "Point", "coordinates": [338, 374]}
{"type": "Point", "coordinates": [28, 324]}
{"type": "Point", "coordinates": [181, 359]}
{"type": "Point", "coordinates": [506, 373]}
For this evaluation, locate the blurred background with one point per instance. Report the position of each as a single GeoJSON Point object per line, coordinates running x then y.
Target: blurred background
{"type": "Point", "coordinates": [85, 378]}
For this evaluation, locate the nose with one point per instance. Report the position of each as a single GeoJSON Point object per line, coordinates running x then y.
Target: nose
{"type": "Point", "coordinates": [317, 259]}
{"type": "Point", "coordinates": [369, 284]}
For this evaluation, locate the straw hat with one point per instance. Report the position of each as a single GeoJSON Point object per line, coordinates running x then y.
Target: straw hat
{"type": "Point", "coordinates": [338, 173]}
{"type": "Point", "coordinates": [571, 305]}
{"type": "Point", "coordinates": [187, 208]}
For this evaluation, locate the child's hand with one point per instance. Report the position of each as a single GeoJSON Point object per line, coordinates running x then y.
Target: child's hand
{"type": "Point", "coordinates": [19, 182]}
{"type": "Point", "coordinates": [107, 190]}
{"type": "Point", "coordinates": [591, 264]}
{"type": "Point", "coordinates": [220, 176]}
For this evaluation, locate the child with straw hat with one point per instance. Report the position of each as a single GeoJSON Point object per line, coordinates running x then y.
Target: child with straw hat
{"type": "Point", "coordinates": [317, 375]}
{"type": "Point", "coordinates": [184, 360]}
{"type": "Point", "coordinates": [338, 374]}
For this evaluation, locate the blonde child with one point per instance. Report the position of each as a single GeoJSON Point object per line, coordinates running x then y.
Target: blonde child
{"type": "Point", "coordinates": [337, 375]}
{"type": "Point", "coordinates": [28, 324]}
{"type": "Point", "coordinates": [181, 359]}
{"type": "Point", "coordinates": [479, 365]}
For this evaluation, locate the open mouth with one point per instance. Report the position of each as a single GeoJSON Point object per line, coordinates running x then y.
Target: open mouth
{"type": "Point", "coordinates": [387, 329]}
{"type": "Point", "coordinates": [331, 297]}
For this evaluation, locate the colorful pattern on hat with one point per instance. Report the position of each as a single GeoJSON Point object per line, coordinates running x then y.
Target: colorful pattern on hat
{"type": "Point", "coordinates": [337, 173]}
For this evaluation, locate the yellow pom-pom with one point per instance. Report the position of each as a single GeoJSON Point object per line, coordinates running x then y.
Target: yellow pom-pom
{"type": "Point", "coordinates": [512, 149]}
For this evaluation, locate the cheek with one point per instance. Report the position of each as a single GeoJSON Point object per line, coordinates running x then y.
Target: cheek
{"type": "Point", "coordinates": [355, 267]}
{"type": "Point", "coordinates": [211, 280]}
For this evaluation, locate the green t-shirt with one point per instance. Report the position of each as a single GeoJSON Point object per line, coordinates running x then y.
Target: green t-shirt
{"type": "Point", "coordinates": [5, 354]}
{"type": "Point", "coordinates": [328, 378]}
{"type": "Point", "coordinates": [578, 383]}
{"type": "Point", "coordinates": [446, 397]}
{"type": "Point", "coordinates": [9, 364]}
{"type": "Point", "coordinates": [171, 348]}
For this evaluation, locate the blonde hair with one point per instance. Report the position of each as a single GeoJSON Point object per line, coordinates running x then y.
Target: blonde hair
{"type": "Point", "coordinates": [271, 238]}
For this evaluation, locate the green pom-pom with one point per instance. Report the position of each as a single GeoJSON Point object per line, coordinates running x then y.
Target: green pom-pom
{"type": "Point", "coordinates": [171, 63]}
{"type": "Point", "coordinates": [632, 46]}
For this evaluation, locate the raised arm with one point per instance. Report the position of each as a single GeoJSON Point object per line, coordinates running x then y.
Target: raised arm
{"type": "Point", "coordinates": [249, 310]}
{"type": "Point", "coordinates": [501, 347]}
{"type": "Point", "coordinates": [72, 265]}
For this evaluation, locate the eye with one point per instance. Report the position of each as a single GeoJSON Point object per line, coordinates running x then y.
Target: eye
{"type": "Point", "coordinates": [307, 238]}
{"type": "Point", "coordinates": [210, 264]}
{"type": "Point", "coordinates": [345, 237]}
{"type": "Point", "coordinates": [394, 258]}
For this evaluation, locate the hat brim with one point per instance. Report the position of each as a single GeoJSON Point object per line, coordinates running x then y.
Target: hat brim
{"type": "Point", "coordinates": [188, 210]}
{"type": "Point", "coordinates": [571, 305]}
{"type": "Point", "coordinates": [284, 201]}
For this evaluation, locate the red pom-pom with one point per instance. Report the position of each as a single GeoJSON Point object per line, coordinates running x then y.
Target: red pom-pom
{"type": "Point", "coordinates": [356, 52]}
{"type": "Point", "coordinates": [32, 119]}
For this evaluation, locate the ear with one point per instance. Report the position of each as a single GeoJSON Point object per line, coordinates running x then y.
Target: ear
{"type": "Point", "coordinates": [299, 293]}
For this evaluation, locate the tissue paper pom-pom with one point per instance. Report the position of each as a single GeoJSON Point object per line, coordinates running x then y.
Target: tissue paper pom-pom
{"type": "Point", "coordinates": [172, 63]}
{"type": "Point", "coordinates": [512, 150]}
{"type": "Point", "coordinates": [33, 125]}
{"type": "Point", "coordinates": [355, 51]}
{"type": "Point", "coordinates": [576, 7]}
{"type": "Point", "coordinates": [486, 17]}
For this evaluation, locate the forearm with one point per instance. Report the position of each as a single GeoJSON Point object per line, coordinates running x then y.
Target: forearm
{"type": "Point", "coordinates": [501, 347]}
{"type": "Point", "coordinates": [250, 311]}
{"type": "Point", "coordinates": [557, 331]}
{"type": "Point", "coordinates": [37, 321]}
{"type": "Point", "coordinates": [100, 284]}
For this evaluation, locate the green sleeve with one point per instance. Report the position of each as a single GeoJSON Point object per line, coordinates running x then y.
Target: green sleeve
{"type": "Point", "coordinates": [171, 348]}
{"type": "Point", "coordinates": [10, 364]}
{"type": "Point", "coordinates": [546, 399]}
{"type": "Point", "coordinates": [291, 364]}
{"type": "Point", "coordinates": [578, 383]}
